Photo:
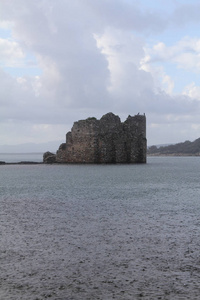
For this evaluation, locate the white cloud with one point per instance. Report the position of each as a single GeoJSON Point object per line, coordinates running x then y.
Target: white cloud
{"type": "Point", "coordinates": [161, 80]}
{"type": "Point", "coordinates": [192, 91]}
{"type": "Point", "coordinates": [123, 52]}
{"type": "Point", "coordinates": [6, 25]}
{"type": "Point", "coordinates": [93, 58]}
{"type": "Point", "coordinates": [10, 52]}
{"type": "Point", "coordinates": [184, 53]}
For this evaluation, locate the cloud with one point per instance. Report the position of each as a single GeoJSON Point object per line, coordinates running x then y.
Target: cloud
{"type": "Point", "coordinates": [185, 53]}
{"type": "Point", "coordinates": [93, 58]}
{"type": "Point", "coordinates": [10, 52]}
{"type": "Point", "coordinates": [186, 13]}
{"type": "Point", "coordinates": [123, 52]}
{"type": "Point", "coordinates": [192, 91]}
{"type": "Point", "coordinates": [125, 15]}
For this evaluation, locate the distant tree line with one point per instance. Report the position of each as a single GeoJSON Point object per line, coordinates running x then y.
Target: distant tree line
{"type": "Point", "coordinates": [186, 148]}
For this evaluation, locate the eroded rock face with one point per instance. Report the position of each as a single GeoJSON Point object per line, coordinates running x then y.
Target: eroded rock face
{"type": "Point", "coordinates": [49, 158]}
{"type": "Point", "coordinates": [107, 140]}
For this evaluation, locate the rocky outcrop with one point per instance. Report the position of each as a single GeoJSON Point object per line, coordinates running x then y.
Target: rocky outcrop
{"type": "Point", "coordinates": [49, 158]}
{"type": "Point", "coordinates": [107, 140]}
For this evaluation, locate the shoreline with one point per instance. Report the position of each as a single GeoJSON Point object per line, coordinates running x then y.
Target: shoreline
{"type": "Point", "coordinates": [3, 163]}
{"type": "Point", "coordinates": [174, 154]}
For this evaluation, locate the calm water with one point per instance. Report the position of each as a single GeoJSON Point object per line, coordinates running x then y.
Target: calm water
{"type": "Point", "coordinates": [100, 231]}
{"type": "Point", "coordinates": [18, 157]}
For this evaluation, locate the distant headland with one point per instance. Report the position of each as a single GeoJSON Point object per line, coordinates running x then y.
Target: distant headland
{"type": "Point", "coordinates": [180, 149]}
{"type": "Point", "coordinates": [107, 140]}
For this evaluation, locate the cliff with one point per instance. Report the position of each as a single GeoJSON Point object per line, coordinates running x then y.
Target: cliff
{"type": "Point", "coordinates": [107, 140]}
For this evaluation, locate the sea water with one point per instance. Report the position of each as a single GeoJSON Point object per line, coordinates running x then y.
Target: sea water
{"type": "Point", "coordinates": [18, 157]}
{"type": "Point", "coordinates": [100, 231]}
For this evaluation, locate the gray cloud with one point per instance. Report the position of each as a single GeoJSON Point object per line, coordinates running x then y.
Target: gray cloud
{"type": "Point", "coordinates": [79, 78]}
{"type": "Point", "coordinates": [185, 14]}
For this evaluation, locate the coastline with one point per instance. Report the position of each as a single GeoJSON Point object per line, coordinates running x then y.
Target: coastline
{"type": "Point", "coordinates": [21, 158]}
{"type": "Point", "coordinates": [173, 154]}
{"type": "Point", "coordinates": [3, 163]}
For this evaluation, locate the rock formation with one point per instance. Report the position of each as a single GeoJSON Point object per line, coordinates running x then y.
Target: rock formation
{"type": "Point", "coordinates": [49, 158]}
{"type": "Point", "coordinates": [107, 140]}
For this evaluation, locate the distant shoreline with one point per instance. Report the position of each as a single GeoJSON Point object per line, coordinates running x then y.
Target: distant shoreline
{"type": "Point", "coordinates": [3, 163]}
{"type": "Point", "coordinates": [21, 163]}
{"type": "Point", "coordinates": [174, 154]}
{"type": "Point", "coordinates": [21, 158]}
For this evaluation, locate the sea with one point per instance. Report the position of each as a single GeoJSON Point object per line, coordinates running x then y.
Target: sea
{"type": "Point", "coordinates": [88, 232]}
{"type": "Point", "coordinates": [21, 157]}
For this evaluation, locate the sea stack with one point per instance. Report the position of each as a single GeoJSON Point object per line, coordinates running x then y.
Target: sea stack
{"type": "Point", "coordinates": [107, 140]}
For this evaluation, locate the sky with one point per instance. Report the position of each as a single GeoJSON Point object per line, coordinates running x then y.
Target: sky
{"type": "Point", "coordinates": [62, 61]}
